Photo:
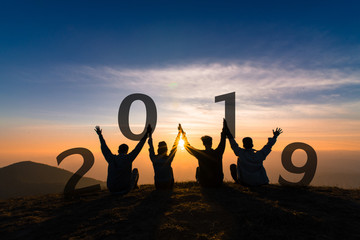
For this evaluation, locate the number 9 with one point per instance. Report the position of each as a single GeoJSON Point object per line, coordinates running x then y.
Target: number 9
{"type": "Point", "coordinates": [308, 169]}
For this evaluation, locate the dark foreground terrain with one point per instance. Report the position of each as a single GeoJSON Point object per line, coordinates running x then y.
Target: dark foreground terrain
{"type": "Point", "coordinates": [188, 212]}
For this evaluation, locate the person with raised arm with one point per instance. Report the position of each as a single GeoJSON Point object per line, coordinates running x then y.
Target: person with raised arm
{"type": "Point", "coordinates": [210, 170]}
{"type": "Point", "coordinates": [164, 176]}
{"type": "Point", "coordinates": [250, 170]}
{"type": "Point", "coordinates": [121, 177]}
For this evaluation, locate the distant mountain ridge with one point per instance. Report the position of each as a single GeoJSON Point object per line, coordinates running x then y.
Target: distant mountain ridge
{"type": "Point", "coordinates": [30, 178]}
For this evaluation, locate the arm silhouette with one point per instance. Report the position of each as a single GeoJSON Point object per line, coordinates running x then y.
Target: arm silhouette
{"type": "Point", "coordinates": [234, 146]}
{"type": "Point", "coordinates": [133, 154]}
{"type": "Point", "coordinates": [267, 148]}
{"type": "Point", "coordinates": [104, 148]}
{"type": "Point", "coordinates": [151, 147]}
{"type": "Point", "coordinates": [187, 145]}
{"type": "Point", "coordinates": [221, 146]}
{"type": "Point", "coordinates": [174, 147]}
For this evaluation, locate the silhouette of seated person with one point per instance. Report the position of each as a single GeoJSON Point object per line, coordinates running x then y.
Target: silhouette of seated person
{"type": "Point", "coordinates": [250, 170]}
{"type": "Point", "coordinates": [121, 177]}
{"type": "Point", "coordinates": [210, 170]}
{"type": "Point", "coordinates": [164, 177]}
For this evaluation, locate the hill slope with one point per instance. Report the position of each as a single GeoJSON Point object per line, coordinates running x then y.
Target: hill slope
{"type": "Point", "coordinates": [188, 212]}
{"type": "Point", "coordinates": [30, 178]}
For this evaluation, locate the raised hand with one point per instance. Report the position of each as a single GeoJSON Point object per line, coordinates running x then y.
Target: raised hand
{"type": "Point", "coordinates": [226, 129]}
{"type": "Point", "coordinates": [149, 130]}
{"type": "Point", "coordinates": [180, 128]}
{"type": "Point", "coordinates": [277, 132]}
{"type": "Point", "coordinates": [98, 130]}
{"type": "Point", "coordinates": [225, 126]}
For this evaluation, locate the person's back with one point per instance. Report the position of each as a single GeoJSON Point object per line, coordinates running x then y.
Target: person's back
{"type": "Point", "coordinates": [119, 172]}
{"type": "Point", "coordinates": [210, 166]}
{"type": "Point", "coordinates": [164, 176]}
{"type": "Point", "coordinates": [121, 177]}
{"type": "Point", "coordinates": [163, 171]}
{"type": "Point", "coordinates": [210, 170]}
{"type": "Point", "coordinates": [250, 169]}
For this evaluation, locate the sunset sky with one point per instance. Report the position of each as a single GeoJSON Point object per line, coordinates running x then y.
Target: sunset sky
{"type": "Point", "coordinates": [66, 67]}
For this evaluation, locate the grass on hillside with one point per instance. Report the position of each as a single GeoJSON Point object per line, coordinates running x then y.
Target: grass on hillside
{"type": "Point", "coordinates": [188, 212]}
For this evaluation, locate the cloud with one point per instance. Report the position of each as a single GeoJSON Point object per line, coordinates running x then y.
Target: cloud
{"type": "Point", "coordinates": [215, 77]}
{"type": "Point", "coordinates": [306, 103]}
{"type": "Point", "coordinates": [190, 89]}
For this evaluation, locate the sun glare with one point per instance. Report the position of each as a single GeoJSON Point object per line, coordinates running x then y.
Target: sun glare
{"type": "Point", "coordinates": [181, 144]}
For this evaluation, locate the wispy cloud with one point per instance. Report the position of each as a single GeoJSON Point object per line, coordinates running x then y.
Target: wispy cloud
{"type": "Point", "coordinates": [190, 89]}
{"type": "Point", "coordinates": [217, 77]}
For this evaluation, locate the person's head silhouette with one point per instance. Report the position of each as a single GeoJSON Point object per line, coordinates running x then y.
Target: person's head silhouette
{"type": "Point", "coordinates": [162, 148]}
{"type": "Point", "coordinates": [123, 148]}
{"type": "Point", "coordinates": [247, 143]}
{"type": "Point", "coordinates": [207, 141]}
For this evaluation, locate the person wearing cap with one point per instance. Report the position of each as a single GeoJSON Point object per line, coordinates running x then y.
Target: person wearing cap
{"type": "Point", "coordinates": [164, 176]}
{"type": "Point", "coordinates": [250, 170]}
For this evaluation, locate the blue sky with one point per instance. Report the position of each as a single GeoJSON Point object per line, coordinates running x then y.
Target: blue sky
{"type": "Point", "coordinates": [38, 38]}
{"type": "Point", "coordinates": [45, 46]}
{"type": "Point", "coordinates": [65, 66]}
{"type": "Point", "coordinates": [306, 33]}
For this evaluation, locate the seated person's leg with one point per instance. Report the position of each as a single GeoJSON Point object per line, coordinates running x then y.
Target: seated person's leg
{"type": "Point", "coordinates": [134, 179]}
{"type": "Point", "coordinates": [133, 184]}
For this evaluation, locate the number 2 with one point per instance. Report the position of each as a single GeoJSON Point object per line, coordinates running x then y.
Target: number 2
{"type": "Point", "coordinates": [88, 157]}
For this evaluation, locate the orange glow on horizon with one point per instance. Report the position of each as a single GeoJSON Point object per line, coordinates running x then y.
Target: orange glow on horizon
{"type": "Point", "coordinates": [42, 144]}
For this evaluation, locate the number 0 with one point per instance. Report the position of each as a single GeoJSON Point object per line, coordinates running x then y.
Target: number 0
{"type": "Point", "coordinates": [124, 110]}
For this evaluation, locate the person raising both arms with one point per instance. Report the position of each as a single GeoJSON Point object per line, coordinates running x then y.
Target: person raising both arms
{"type": "Point", "coordinates": [121, 177]}
{"type": "Point", "coordinates": [210, 170]}
{"type": "Point", "coordinates": [164, 177]}
{"type": "Point", "coordinates": [250, 170]}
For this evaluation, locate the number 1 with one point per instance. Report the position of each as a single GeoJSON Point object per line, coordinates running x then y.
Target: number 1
{"type": "Point", "coordinates": [229, 99]}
